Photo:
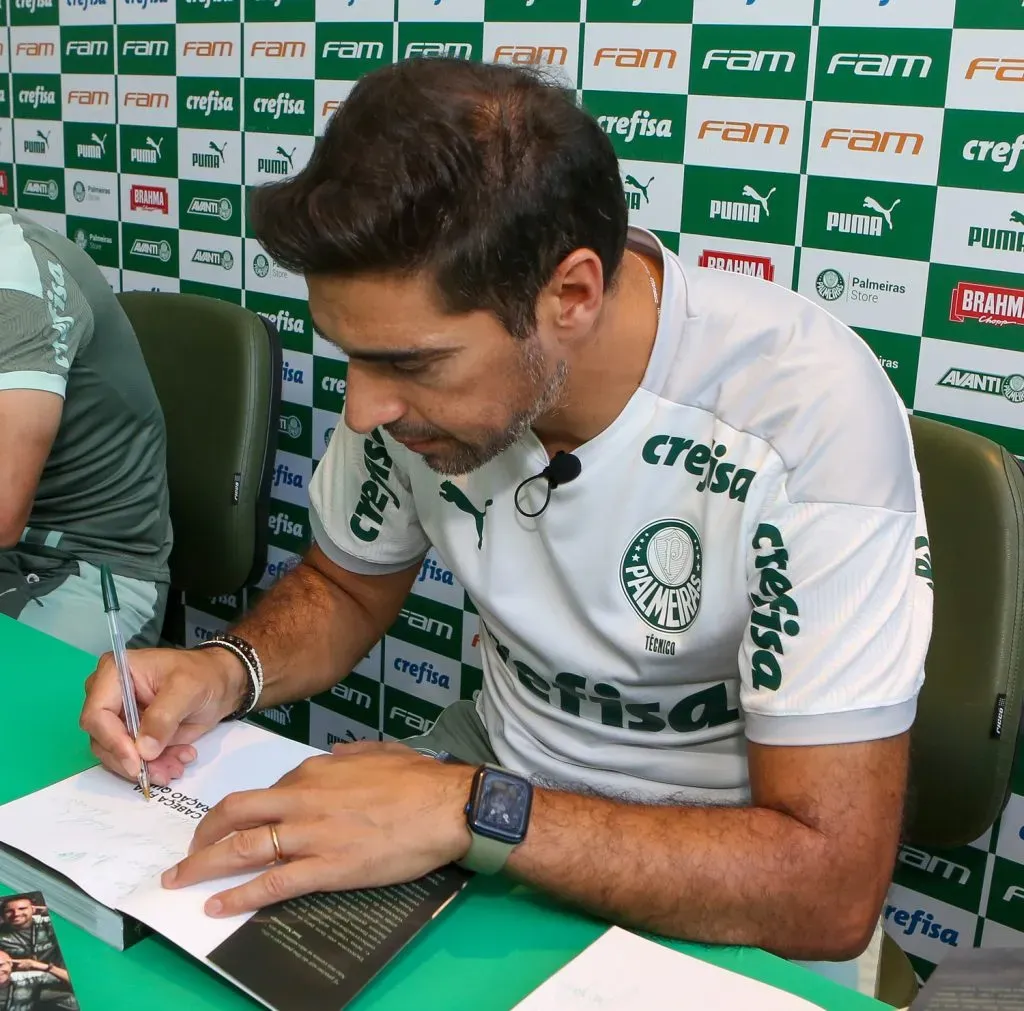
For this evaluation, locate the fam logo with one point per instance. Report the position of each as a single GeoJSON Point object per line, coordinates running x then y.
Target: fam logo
{"type": "Point", "coordinates": [148, 198]}
{"type": "Point", "coordinates": [1005, 70]}
{"type": "Point", "coordinates": [444, 50]}
{"type": "Point", "coordinates": [35, 50]}
{"type": "Point", "coordinates": [750, 61]}
{"type": "Point", "coordinates": [146, 100]}
{"type": "Point", "coordinates": [874, 141]}
{"type": "Point", "coordinates": [635, 59]}
{"type": "Point", "coordinates": [987, 303]}
{"type": "Point", "coordinates": [207, 49]}
{"type": "Point", "coordinates": [527, 55]}
{"type": "Point", "coordinates": [738, 263]}
{"type": "Point", "coordinates": [97, 98]}
{"type": "Point", "coordinates": [1010, 387]}
{"type": "Point", "coordinates": [880, 65]}
{"type": "Point", "coordinates": [277, 50]}
{"type": "Point", "coordinates": [832, 285]}
{"type": "Point", "coordinates": [660, 574]}
{"type": "Point", "coordinates": [734, 132]}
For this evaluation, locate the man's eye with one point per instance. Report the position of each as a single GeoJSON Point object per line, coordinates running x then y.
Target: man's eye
{"type": "Point", "coordinates": [411, 367]}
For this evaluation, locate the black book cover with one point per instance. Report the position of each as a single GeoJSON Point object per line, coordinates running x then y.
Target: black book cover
{"type": "Point", "coordinates": [316, 952]}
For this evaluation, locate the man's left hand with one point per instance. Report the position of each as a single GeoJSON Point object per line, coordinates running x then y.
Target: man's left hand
{"type": "Point", "coordinates": [29, 965]}
{"type": "Point", "coordinates": [364, 816]}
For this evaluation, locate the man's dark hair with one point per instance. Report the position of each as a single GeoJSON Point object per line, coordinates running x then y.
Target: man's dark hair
{"type": "Point", "coordinates": [487, 176]}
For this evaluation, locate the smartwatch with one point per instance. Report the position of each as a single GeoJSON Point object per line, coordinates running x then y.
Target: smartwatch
{"type": "Point", "coordinates": [498, 814]}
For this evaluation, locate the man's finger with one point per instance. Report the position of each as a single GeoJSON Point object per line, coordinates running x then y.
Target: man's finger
{"type": "Point", "coordinates": [245, 850]}
{"type": "Point", "coordinates": [285, 881]}
{"type": "Point", "coordinates": [246, 809]}
{"type": "Point", "coordinates": [161, 721]}
{"type": "Point", "coordinates": [169, 766]}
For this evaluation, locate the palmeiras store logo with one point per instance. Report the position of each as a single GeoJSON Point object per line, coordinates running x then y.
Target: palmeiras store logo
{"type": "Point", "coordinates": [661, 575]}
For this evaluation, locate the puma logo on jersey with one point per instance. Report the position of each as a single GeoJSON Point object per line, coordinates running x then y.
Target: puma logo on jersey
{"type": "Point", "coordinates": [715, 474]}
{"type": "Point", "coordinates": [923, 561]}
{"type": "Point", "coordinates": [454, 494]}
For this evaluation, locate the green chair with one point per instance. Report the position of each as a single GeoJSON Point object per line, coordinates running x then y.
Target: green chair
{"type": "Point", "coordinates": [217, 372]}
{"type": "Point", "coordinates": [964, 741]}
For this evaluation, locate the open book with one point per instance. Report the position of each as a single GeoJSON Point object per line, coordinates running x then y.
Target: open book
{"type": "Point", "coordinates": [97, 831]}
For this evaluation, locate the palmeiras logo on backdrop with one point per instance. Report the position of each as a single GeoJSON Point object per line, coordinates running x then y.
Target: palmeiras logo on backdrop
{"type": "Point", "coordinates": [660, 574]}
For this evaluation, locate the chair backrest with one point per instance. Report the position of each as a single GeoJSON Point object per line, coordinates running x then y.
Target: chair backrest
{"type": "Point", "coordinates": [217, 372]}
{"type": "Point", "coordinates": [964, 741]}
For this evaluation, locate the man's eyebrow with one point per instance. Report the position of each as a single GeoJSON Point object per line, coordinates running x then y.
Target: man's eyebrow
{"type": "Point", "coordinates": [391, 355]}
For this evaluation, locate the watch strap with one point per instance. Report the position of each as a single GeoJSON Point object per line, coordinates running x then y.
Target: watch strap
{"type": "Point", "coordinates": [486, 855]}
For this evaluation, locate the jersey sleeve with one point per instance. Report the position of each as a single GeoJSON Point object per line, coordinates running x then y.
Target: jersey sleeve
{"type": "Point", "coordinates": [841, 612]}
{"type": "Point", "coordinates": [362, 512]}
{"type": "Point", "coordinates": [44, 318]}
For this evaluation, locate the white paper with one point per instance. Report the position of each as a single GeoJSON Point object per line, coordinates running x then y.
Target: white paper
{"type": "Point", "coordinates": [99, 831]}
{"type": "Point", "coordinates": [622, 971]}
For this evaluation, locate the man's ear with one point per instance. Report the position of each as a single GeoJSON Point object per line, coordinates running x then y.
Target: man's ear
{"type": "Point", "coordinates": [575, 294]}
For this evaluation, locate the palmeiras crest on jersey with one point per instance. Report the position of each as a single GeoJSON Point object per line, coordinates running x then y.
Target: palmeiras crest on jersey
{"type": "Point", "coordinates": [660, 575]}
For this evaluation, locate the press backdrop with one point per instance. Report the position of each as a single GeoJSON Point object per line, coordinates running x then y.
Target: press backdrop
{"type": "Point", "coordinates": [869, 153]}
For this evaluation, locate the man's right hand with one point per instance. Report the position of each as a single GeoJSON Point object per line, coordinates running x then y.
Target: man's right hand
{"type": "Point", "coordinates": [181, 695]}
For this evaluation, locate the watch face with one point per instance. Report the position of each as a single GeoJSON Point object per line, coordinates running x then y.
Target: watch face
{"type": "Point", "coordinates": [503, 806]}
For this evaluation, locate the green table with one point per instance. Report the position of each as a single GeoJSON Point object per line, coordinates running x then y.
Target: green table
{"type": "Point", "coordinates": [489, 949]}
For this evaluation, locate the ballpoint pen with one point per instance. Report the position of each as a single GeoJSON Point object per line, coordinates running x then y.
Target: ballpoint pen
{"type": "Point", "coordinates": [131, 709]}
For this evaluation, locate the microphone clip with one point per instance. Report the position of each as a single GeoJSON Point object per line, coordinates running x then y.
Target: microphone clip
{"type": "Point", "coordinates": [563, 468]}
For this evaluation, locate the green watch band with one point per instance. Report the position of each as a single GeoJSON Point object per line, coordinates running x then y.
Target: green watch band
{"type": "Point", "coordinates": [486, 856]}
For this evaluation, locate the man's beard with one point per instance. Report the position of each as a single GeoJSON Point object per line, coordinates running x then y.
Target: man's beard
{"type": "Point", "coordinates": [463, 457]}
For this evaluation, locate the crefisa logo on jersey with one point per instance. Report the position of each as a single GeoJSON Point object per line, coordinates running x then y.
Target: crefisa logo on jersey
{"type": "Point", "coordinates": [660, 574]}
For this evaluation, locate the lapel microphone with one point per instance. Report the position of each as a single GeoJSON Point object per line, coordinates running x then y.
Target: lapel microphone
{"type": "Point", "coordinates": [563, 468]}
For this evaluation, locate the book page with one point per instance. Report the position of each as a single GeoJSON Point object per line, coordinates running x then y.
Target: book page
{"type": "Point", "coordinates": [622, 971]}
{"type": "Point", "coordinates": [99, 831]}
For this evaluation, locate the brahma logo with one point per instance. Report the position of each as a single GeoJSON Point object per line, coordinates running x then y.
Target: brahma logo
{"type": "Point", "coordinates": [274, 50]}
{"type": "Point", "coordinates": [152, 249]}
{"type": "Point", "coordinates": [548, 56]}
{"type": "Point", "coordinates": [223, 47]}
{"type": "Point", "coordinates": [874, 141]}
{"type": "Point", "coordinates": [5, 187]}
{"type": "Point", "coordinates": [1010, 387]}
{"type": "Point", "coordinates": [146, 100]}
{"type": "Point", "coordinates": [987, 303]}
{"type": "Point", "coordinates": [744, 133]}
{"type": "Point", "coordinates": [148, 198]}
{"type": "Point", "coordinates": [738, 263]}
{"type": "Point", "coordinates": [636, 59]}
{"type": "Point", "coordinates": [1006, 70]}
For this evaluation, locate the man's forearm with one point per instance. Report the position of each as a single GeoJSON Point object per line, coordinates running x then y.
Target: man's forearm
{"type": "Point", "coordinates": [746, 875]}
{"type": "Point", "coordinates": [309, 634]}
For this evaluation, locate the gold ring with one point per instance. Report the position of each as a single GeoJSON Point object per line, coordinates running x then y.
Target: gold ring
{"type": "Point", "coordinates": [277, 846]}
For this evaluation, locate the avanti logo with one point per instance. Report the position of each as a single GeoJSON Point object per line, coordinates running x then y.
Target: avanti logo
{"type": "Point", "coordinates": [640, 124]}
{"type": "Point", "coordinates": [45, 188]}
{"type": "Point", "coordinates": [987, 303]}
{"type": "Point", "coordinates": [738, 263]}
{"type": "Point", "coordinates": [152, 249]}
{"type": "Point", "coordinates": [148, 198]}
{"type": "Point", "coordinates": [749, 209]}
{"type": "Point", "coordinates": [1004, 240]}
{"type": "Point", "coordinates": [661, 574]}
{"type": "Point", "coordinates": [210, 207]}
{"type": "Point", "coordinates": [39, 144]}
{"type": "Point", "coordinates": [1010, 387]}
{"type": "Point", "coordinates": [291, 426]}
{"type": "Point", "coordinates": [212, 158]}
{"type": "Point", "coordinates": [862, 224]}
{"type": "Point", "coordinates": [214, 258]}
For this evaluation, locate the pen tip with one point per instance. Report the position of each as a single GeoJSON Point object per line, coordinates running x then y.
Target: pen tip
{"type": "Point", "coordinates": [145, 792]}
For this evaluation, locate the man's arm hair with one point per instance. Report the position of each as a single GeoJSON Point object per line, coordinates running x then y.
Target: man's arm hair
{"type": "Point", "coordinates": [29, 420]}
{"type": "Point", "coordinates": [803, 872]}
{"type": "Point", "coordinates": [318, 622]}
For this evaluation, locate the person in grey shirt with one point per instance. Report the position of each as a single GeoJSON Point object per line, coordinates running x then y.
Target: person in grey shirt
{"type": "Point", "coordinates": [82, 447]}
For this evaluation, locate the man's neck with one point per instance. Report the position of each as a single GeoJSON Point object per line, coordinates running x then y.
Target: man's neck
{"type": "Point", "coordinates": [609, 367]}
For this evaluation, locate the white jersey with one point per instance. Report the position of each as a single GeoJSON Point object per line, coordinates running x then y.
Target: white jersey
{"type": "Point", "coordinates": [744, 555]}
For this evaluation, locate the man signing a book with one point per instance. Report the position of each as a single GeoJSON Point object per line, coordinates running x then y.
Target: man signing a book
{"type": "Point", "coordinates": [702, 632]}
